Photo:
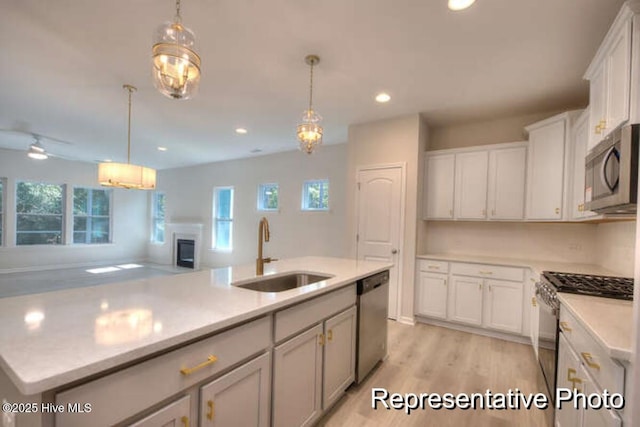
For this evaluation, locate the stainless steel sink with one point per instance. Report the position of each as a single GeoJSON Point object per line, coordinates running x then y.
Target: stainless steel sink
{"type": "Point", "coordinates": [283, 283]}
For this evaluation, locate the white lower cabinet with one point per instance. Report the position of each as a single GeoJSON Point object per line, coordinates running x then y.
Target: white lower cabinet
{"type": "Point", "coordinates": [465, 303]}
{"type": "Point", "coordinates": [503, 305]}
{"type": "Point", "coordinates": [312, 370]}
{"type": "Point", "coordinates": [174, 414]}
{"type": "Point", "coordinates": [432, 295]}
{"type": "Point", "coordinates": [239, 398]}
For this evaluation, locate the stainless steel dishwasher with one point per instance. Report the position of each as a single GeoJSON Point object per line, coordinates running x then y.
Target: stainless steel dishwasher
{"type": "Point", "coordinates": [373, 306]}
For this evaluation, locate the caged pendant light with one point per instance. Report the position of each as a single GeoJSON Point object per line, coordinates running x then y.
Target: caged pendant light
{"type": "Point", "coordinates": [126, 175]}
{"type": "Point", "coordinates": [176, 65]}
{"type": "Point", "coordinates": [309, 131]}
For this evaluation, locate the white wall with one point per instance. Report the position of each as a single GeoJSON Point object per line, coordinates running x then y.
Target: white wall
{"type": "Point", "coordinates": [616, 246]}
{"type": "Point", "coordinates": [130, 224]}
{"type": "Point", "coordinates": [293, 231]}
{"type": "Point", "coordinates": [395, 140]}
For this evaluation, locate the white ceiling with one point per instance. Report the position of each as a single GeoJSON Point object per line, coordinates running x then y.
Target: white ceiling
{"type": "Point", "coordinates": [63, 63]}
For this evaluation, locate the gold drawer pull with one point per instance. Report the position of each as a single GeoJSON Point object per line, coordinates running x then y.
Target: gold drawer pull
{"type": "Point", "coordinates": [486, 272]}
{"type": "Point", "coordinates": [210, 361]}
{"type": "Point", "coordinates": [433, 267]}
{"type": "Point", "coordinates": [533, 301]}
{"type": "Point", "coordinates": [329, 334]}
{"type": "Point", "coordinates": [588, 359]}
{"type": "Point", "coordinates": [185, 421]}
{"type": "Point", "coordinates": [211, 412]}
{"type": "Point", "coordinates": [321, 339]}
{"type": "Point", "coordinates": [565, 327]}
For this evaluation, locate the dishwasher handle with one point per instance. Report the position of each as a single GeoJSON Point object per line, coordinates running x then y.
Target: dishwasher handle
{"type": "Point", "coordinates": [372, 282]}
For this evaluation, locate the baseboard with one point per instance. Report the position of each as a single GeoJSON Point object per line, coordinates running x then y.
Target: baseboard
{"type": "Point", "coordinates": [478, 331]}
{"type": "Point", "coordinates": [406, 320]}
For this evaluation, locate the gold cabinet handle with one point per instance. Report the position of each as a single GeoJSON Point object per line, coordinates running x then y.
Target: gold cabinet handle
{"type": "Point", "coordinates": [185, 421]}
{"type": "Point", "coordinates": [565, 327]}
{"type": "Point", "coordinates": [321, 339]}
{"type": "Point", "coordinates": [480, 286]}
{"type": "Point", "coordinates": [533, 301]}
{"type": "Point", "coordinates": [588, 359]}
{"type": "Point", "coordinates": [598, 130]}
{"type": "Point", "coordinates": [489, 288]}
{"type": "Point", "coordinates": [450, 212]}
{"type": "Point", "coordinates": [572, 378]}
{"type": "Point", "coordinates": [486, 272]}
{"type": "Point", "coordinates": [445, 282]}
{"type": "Point", "coordinates": [557, 210]}
{"type": "Point", "coordinates": [211, 411]}
{"type": "Point", "coordinates": [433, 267]}
{"type": "Point", "coordinates": [210, 361]}
{"type": "Point", "coordinates": [329, 334]}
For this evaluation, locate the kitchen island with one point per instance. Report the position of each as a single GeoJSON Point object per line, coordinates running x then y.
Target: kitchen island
{"type": "Point", "coordinates": [54, 343]}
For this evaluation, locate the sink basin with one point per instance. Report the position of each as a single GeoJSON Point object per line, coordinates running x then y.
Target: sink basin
{"type": "Point", "coordinates": [283, 283]}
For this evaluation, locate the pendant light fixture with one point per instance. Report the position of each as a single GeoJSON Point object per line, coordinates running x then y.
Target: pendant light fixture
{"type": "Point", "coordinates": [176, 65]}
{"type": "Point", "coordinates": [36, 150]}
{"type": "Point", "coordinates": [126, 175]}
{"type": "Point", "coordinates": [310, 131]}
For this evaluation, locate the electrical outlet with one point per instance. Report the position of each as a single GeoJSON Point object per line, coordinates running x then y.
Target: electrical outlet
{"type": "Point", "coordinates": [8, 418]}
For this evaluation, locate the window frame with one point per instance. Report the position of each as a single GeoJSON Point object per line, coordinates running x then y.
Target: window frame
{"type": "Point", "coordinates": [215, 219]}
{"type": "Point", "coordinates": [260, 196]}
{"type": "Point", "coordinates": [305, 191]}
{"type": "Point", "coordinates": [62, 215]}
{"type": "Point", "coordinates": [155, 218]}
{"type": "Point", "coordinates": [90, 217]}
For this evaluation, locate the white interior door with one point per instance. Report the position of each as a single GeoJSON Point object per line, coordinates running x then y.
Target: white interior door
{"type": "Point", "coordinates": [380, 207]}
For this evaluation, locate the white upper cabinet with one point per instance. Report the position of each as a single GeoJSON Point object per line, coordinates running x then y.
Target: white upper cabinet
{"type": "Point", "coordinates": [439, 177]}
{"type": "Point", "coordinates": [507, 172]}
{"type": "Point", "coordinates": [613, 77]}
{"type": "Point", "coordinates": [579, 138]}
{"type": "Point", "coordinates": [471, 185]}
{"type": "Point", "coordinates": [548, 167]}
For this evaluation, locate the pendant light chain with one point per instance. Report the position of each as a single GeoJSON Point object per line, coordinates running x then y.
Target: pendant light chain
{"type": "Point", "coordinates": [131, 89]}
{"type": "Point", "coordinates": [311, 87]}
{"type": "Point", "coordinates": [178, 17]}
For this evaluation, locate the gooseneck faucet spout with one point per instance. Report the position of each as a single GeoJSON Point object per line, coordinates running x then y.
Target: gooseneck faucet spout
{"type": "Point", "coordinates": [263, 235]}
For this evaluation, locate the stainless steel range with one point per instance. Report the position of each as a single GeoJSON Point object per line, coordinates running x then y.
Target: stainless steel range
{"type": "Point", "coordinates": [550, 284]}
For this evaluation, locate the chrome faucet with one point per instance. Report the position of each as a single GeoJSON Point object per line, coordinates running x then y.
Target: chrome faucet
{"type": "Point", "coordinates": [263, 232]}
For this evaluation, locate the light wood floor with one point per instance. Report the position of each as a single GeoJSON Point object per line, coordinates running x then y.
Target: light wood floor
{"type": "Point", "coordinates": [431, 359]}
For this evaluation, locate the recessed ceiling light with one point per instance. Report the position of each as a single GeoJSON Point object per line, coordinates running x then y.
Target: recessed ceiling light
{"type": "Point", "coordinates": [162, 148]}
{"type": "Point", "coordinates": [460, 4]}
{"type": "Point", "coordinates": [383, 97]}
{"type": "Point", "coordinates": [241, 131]}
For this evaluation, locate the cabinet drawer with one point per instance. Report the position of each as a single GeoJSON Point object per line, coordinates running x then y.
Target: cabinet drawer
{"type": "Point", "coordinates": [607, 373]}
{"type": "Point", "coordinates": [299, 317]}
{"type": "Point", "coordinates": [159, 378]}
{"type": "Point", "coordinates": [433, 266]}
{"type": "Point", "coordinates": [489, 271]}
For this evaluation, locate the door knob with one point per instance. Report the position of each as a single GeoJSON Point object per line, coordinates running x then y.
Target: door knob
{"type": "Point", "coordinates": [394, 251]}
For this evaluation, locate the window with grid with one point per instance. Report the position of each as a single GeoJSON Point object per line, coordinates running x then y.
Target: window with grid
{"type": "Point", "coordinates": [268, 197]}
{"type": "Point", "coordinates": [315, 195]}
{"type": "Point", "coordinates": [157, 217]}
{"type": "Point", "coordinates": [222, 227]}
{"type": "Point", "coordinates": [91, 215]}
{"type": "Point", "coordinates": [39, 213]}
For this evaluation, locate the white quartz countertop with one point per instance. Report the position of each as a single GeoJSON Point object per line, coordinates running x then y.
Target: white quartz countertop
{"type": "Point", "coordinates": [609, 321]}
{"type": "Point", "coordinates": [537, 266]}
{"type": "Point", "coordinates": [51, 339]}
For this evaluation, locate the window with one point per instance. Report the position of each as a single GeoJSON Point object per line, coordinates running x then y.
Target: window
{"type": "Point", "coordinates": [157, 217]}
{"type": "Point", "coordinates": [315, 195]}
{"type": "Point", "coordinates": [39, 213]}
{"type": "Point", "coordinates": [268, 197]}
{"type": "Point", "coordinates": [222, 218]}
{"type": "Point", "coordinates": [1, 210]}
{"type": "Point", "coordinates": [91, 215]}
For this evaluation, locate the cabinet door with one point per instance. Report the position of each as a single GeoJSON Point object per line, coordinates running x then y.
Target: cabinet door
{"type": "Point", "coordinates": [601, 417]}
{"type": "Point", "coordinates": [618, 79]}
{"type": "Point", "coordinates": [471, 185]}
{"type": "Point", "coordinates": [297, 380]}
{"type": "Point", "coordinates": [439, 177]}
{"type": "Point", "coordinates": [239, 398]}
{"type": "Point", "coordinates": [579, 140]}
{"type": "Point", "coordinates": [466, 300]}
{"type": "Point", "coordinates": [507, 172]}
{"type": "Point", "coordinates": [597, 106]}
{"type": "Point", "coordinates": [503, 305]}
{"type": "Point", "coordinates": [546, 172]}
{"type": "Point", "coordinates": [432, 295]}
{"type": "Point", "coordinates": [534, 318]}
{"type": "Point", "coordinates": [339, 355]}
{"type": "Point", "coordinates": [568, 377]}
{"type": "Point", "coordinates": [174, 414]}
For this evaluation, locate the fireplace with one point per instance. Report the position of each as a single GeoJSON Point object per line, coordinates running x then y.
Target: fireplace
{"type": "Point", "coordinates": [185, 253]}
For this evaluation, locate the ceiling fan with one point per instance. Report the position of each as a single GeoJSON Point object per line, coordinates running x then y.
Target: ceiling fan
{"type": "Point", "coordinates": [36, 149]}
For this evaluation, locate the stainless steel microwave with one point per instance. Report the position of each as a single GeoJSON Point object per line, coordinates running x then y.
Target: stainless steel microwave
{"type": "Point", "coordinates": [611, 178]}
